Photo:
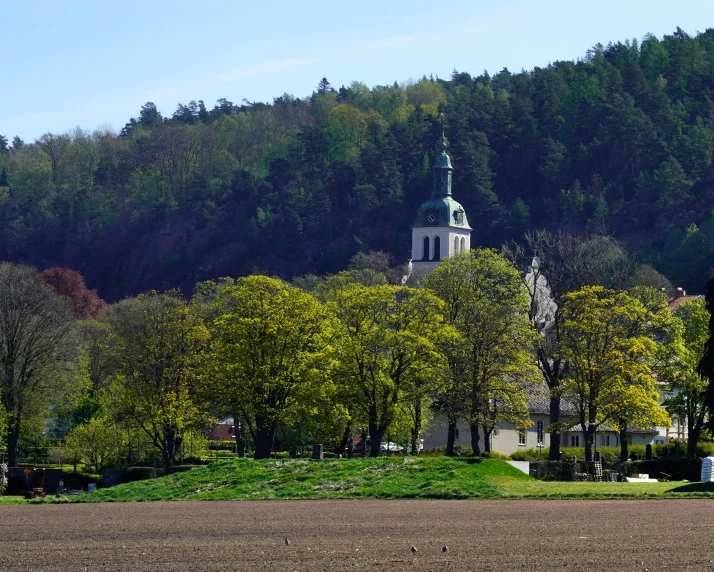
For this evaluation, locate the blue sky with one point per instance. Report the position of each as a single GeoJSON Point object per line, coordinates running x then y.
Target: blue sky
{"type": "Point", "coordinates": [94, 63]}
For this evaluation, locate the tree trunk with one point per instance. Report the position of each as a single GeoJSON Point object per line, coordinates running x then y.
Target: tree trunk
{"type": "Point", "coordinates": [588, 432]}
{"type": "Point", "coordinates": [376, 433]}
{"type": "Point", "coordinates": [264, 442]}
{"type": "Point", "coordinates": [346, 437]}
{"type": "Point", "coordinates": [475, 437]}
{"type": "Point", "coordinates": [13, 438]}
{"type": "Point", "coordinates": [487, 441]}
{"type": "Point", "coordinates": [171, 446]}
{"type": "Point", "coordinates": [450, 438]}
{"type": "Point", "coordinates": [416, 430]}
{"type": "Point", "coordinates": [240, 440]}
{"type": "Point", "coordinates": [623, 443]}
{"type": "Point", "coordinates": [555, 436]}
{"type": "Point", "coordinates": [695, 431]}
{"type": "Point", "coordinates": [693, 440]}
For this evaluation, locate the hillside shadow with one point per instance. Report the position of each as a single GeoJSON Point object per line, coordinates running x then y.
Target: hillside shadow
{"type": "Point", "coordinates": [694, 488]}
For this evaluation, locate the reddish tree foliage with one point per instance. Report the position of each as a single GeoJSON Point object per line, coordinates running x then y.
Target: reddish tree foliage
{"type": "Point", "coordinates": [70, 284]}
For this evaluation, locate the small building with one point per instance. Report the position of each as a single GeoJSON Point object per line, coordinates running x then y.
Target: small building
{"type": "Point", "coordinates": [506, 438]}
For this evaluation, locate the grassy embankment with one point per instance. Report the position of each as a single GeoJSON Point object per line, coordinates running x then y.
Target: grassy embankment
{"type": "Point", "coordinates": [394, 478]}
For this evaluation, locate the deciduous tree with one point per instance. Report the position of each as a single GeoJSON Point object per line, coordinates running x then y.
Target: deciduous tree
{"type": "Point", "coordinates": [158, 342]}
{"type": "Point", "coordinates": [69, 283]}
{"type": "Point", "coordinates": [35, 340]}
{"type": "Point", "coordinates": [389, 347]}
{"type": "Point", "coordinates": [555, 264]}
{"type": "Point", "coordinates": [491, 365]}
{"type": "Point", "coordinates": [94, 442]}
{"type": "Point", "coordinates": [271, 355]}
{"type": "Point", "coordinates": [688, 385]}
{"type": "Point", "coordinates": [605, 341]}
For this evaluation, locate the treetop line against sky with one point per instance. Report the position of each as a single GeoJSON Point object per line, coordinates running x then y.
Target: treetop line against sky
{"type": "Point", "coordinates": [90, 64]}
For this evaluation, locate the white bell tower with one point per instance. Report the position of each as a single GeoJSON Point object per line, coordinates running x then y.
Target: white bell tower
{"type": "Point", "coordinates": [441, 228]}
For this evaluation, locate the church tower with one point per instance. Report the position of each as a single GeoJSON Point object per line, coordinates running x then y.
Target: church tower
{"type": "Point", "coordinates": [441, 228]}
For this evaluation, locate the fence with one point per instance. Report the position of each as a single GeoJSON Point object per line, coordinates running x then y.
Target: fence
{"type": "Point", "coordinates": [669, 469]}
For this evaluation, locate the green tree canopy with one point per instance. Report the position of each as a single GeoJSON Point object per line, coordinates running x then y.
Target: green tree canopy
{"type": "Point", "coordinates": [606, 343]}
{"type": "Point", "coordinates": [491, 364]}
{"type": "Point", "coordinates": [390, 344]}
{"type": "Point", "coordinates": [271, 355]}
{"type": "Point", "coordinates": [158, 341]}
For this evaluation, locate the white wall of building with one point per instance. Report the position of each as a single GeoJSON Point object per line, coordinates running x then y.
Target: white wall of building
{"type": "Point", "coordinates": [452, 240]}
{"type": "Point", "coordinates": [506, 439]}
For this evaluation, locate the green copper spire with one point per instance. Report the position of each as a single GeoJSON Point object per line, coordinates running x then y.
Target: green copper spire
{"type": "Point", "coordinates": [441, 209]}
{"type": "Point", "coordinates": [442, 172]}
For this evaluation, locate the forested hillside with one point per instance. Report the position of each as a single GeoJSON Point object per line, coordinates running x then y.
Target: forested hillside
{"type": "Point", "coordinates": [619, 142]}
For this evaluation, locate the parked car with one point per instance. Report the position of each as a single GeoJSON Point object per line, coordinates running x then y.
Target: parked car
{"type": "Point", "coordinates": [391, 447]}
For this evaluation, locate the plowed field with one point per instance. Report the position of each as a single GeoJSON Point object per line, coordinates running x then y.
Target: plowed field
{"type": "Point", "coordinates": [356, 535]}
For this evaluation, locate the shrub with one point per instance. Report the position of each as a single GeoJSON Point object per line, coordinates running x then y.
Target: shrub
{"type": "Point", "coordinates": [193, 446]}
{"type": "Point", "coordinates": [95, 443]}
{"type": "Point", "coordinates": [183, 468]}
{"type": "Point", "coordinates": [459, 450]}
{"type": "Point", "coordinates": [612, 454]}
{"type": "Point", "coordinates": [57, 456]}
{"type": "Point", "coordinates": [141, 473]}
{"type": "Point", "coordinates": [217, 454]}
{"type": "Point", "coordinates": [499, 456]}
{"type": "Point", "coordinates": [78, 480]}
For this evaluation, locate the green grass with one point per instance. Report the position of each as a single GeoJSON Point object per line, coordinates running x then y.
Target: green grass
{"type": "Point", "coordinates": [388, 478]}
{"type": "Point", "coordinates": [12, 500]}
{"type": "Point", "coordinates": [396, 478]}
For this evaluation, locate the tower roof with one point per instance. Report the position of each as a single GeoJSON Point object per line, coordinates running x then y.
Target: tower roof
{"type": "Point", "coordinates": [442, 160]}
{"type": "Point", "coordinates": [441, 209]}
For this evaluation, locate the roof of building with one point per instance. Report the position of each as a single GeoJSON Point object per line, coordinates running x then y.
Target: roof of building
{"type": "Point", "coordinates": [677, 301]}
{"type": "Point", "coordinates": [538, 399]}
{"type": "Point", "coordinates": [221, 432]}
{"type": "Point", "coordinates": [441, 209]}
{"type": "Point", "coordinates": [442, 160]}
{"type": "Point", "coordinates": [445, 212]}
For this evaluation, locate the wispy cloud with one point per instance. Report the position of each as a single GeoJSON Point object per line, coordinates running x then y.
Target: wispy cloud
{"type": "Point", "coordinates": [248, 71]}
{"type": "Point", "coordinates": [170, 94]}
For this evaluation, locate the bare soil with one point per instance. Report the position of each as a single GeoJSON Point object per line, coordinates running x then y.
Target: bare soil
{"type": "Point", "coordinates": [361, 534]}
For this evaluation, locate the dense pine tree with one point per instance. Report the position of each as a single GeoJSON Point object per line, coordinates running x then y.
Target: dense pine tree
{"type": "Point", "coordinates": [619, 142]}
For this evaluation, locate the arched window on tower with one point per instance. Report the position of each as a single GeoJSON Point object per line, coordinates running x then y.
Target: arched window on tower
{"type": "Point", "coordinates": [463, 244]}
{"type": "Point", "coordinates": [425, 251]}
{"type": "Point", "coordinates": [456, 244]}
{"type": "Point", "coordinates": [437, 248]}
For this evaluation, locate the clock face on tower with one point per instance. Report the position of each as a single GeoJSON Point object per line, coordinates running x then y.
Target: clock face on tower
{"type": "Point", "coordinates": [431, 218]}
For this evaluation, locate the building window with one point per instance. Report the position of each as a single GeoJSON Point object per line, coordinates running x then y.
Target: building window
{"type": "Point", "coordinates": [575, 440]}
{"type": "Point", "coordinates": [495, 433]}
{"type": "Point", "coordinates": [607, 440]}
{"type": "Point", "coordinates": [540, 436]}
{"type": "Point", "coordinates": [425, 253]}
{"type": "Point", "coordinates": [456, 244]}
{"type": "Point", "coordinates": [522, 437]}
{"type": "Point", "coordinates": [463, 244]}
{"type": "Point", "coordinates": [437, 248]}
